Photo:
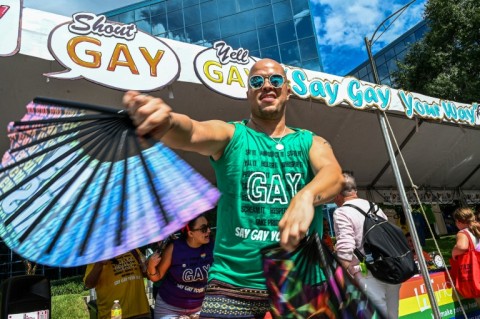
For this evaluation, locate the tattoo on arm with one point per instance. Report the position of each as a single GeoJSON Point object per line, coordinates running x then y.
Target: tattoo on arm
{"type": "Point", "coordinates": [328, 144]}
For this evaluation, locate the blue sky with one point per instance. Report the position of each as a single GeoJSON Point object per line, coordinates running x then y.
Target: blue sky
{"type": "Point", "coordinates": [341, 24]}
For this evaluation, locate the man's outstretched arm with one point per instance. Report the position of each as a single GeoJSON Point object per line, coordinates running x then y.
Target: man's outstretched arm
{"type": "Point", "coordinates": [152, 116]}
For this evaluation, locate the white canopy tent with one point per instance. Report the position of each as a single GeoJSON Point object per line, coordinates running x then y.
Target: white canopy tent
{"type": "Point", "coordinates": [441, 156]}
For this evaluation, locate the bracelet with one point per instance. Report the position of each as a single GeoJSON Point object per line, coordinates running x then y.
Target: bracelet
{"type": "Point", "coordinates": [151, 275]}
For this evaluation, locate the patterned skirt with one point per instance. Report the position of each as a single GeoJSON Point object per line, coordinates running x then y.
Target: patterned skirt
{"type": "Point", "coordinates": [225, 301]}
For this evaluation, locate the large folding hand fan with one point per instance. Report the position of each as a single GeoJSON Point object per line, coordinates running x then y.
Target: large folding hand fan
{"type": "Point", "coordinates": [78, 186]}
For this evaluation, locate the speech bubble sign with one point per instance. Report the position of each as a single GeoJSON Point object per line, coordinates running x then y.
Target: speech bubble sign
{"type": "Point", "coordinates": [10, 26]}
{"type": "Point", "coordinates": [224, 70]}
{"type": "Point", "coordinates": [112, 54]}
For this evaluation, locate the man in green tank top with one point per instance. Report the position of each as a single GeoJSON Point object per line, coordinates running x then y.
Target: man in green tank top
{"type": "Point", "coordinates": [271, 176]}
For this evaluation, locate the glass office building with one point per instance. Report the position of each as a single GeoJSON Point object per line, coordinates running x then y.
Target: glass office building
{"type": "Point", "coordinates": [279, 29]}
{"type": "Point", "coordinates": [387, 58]}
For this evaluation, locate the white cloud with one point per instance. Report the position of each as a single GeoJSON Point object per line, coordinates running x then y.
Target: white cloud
{"type": "Point", "coordinates": [347, 22]}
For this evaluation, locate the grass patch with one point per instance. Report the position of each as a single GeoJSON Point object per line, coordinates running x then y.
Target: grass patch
{"type": "Point", "coordinates": [67, 298]}
{"type": "Point", "coordinates": [71, 285]}
{"type": "Point", "coordinates": [69, 306]}
{"type": "Point", "coordinates": [445, 243]}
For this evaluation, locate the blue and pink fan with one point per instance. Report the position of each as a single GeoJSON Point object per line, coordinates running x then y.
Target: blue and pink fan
{"type": "Point", "coordinates": [79, 186]}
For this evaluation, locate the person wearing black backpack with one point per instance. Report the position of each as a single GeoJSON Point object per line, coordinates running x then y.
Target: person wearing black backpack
{"type": "Point", "coordinates": [348, 225]}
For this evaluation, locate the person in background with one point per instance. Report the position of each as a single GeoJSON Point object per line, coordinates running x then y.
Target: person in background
{"type": "Point", "coordinates": [183, 266]}
{"type": "Point", "coordinates": [120, 278]}
{"type": "Point", "coordinates": [348, 225]}
{"type": "Point", "coordinates": [272, 178]}
{"type": "Point", "coordinates": [158, 248]}
{"type": "Point", "coordinates": [468, 227]}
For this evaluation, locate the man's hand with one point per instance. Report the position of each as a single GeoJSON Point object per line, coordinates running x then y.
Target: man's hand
{"type": "Point", "coordinates": [149, 114]}
{"type": "Point", "coordinates": [296, 221]}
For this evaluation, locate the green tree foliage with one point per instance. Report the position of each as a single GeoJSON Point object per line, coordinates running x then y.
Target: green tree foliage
{"type": "Point", "coordinates": [446, 63]}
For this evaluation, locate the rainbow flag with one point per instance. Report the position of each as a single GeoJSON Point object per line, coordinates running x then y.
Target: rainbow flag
{"type": "Point", "coordinates": [414, 301]}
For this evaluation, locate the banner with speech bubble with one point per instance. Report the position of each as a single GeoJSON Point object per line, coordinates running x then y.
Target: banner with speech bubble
{"type": "Point", "coordinates": [10, 26]}
{"type": "Point", "coordinates": [224, 70]}
{"type": "Point", "coordinates": [112, 54]}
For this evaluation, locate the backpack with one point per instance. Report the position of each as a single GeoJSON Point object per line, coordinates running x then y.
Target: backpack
{"type": "Point", "coordinates": [387, 255]}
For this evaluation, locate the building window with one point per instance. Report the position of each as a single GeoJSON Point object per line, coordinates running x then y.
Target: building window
{"type": "Point", "coordinates": [386, 81]}
{"type": "Point", "coordinates": [267, 37]}
{"type": "Point", "coordinates": [362, 73]}
{"type": "Point", "coordinates": [382, 71]}
{"type": "Point", "coordinates": [233, 41]}
{"type": "Point", "coordinates": [228, 27]}
{"type": "Point", "coordinates": [144, 25]}
{"type": "Point", "coordinates": [194, 34]}
{"type": "Point", "coordinates": [299, 6]}
{"type": "Point", "coordinates": [389, 54]}
{"type": "Point", "coordinates": [245, 20]}
{"type": "Point", "coordinates": [392, 65]}
{"type": "Point", "coordinates": [308, 48]}
{"type": "Point", "coordinates": [211, 30]}
{"type": "Point", "coordinates": [304, 26]}
{"type": "Point", "coordinates": [249, 40]}
{"type": "Point", "coordinates": [282, 11]}
{"type": "Point", "coordinates": [173, 5]}
{"type": "Point", "coordinates": [399, 48]}
{"type": "Point", "coordinates": [159, 24]}
{"type": "Point", "coordinates": [409, 40]}
{"type": "Point", "coordinates": [158, 9]}
{"type": "Point", "coordinates": [271, 52]}
{"type": "Point", "coordinates": [192, 15]}
{"type": "Point", "coordinates": [209, 10]}
{"type": "Point", "coordinates": [285, 32]}
{"type": "Point", "coordinates": [187, 3]}
{"type": "Point", "coordinates": [259, 3]}
{"type": "Point", "coordinates": [380, 59]}
{"type": "Point", "coordinates": [246, 4]}
{"type": "Point", "coordinates": [226, 8]}
{"type": "Point", "coordinates": [289, 53]}
{"type": "Point", "coordinates": [127, 17]}
{"type": "Point", "coordinates": [175, 20]}
{"type": "Point", "coordinates": [255, 53]}
{"type": "Point", "coordinates": [419, 34]}
{"type": "Point", "coordinates": [313, 65]}
{"type": "Point", "coordinates": [263, 16]}
{"type": "Point", "coordinates": [142, 13]}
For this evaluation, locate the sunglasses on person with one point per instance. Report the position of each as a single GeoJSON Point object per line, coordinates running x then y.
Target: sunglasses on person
{"type": "Point", "coordinates": [204, 229]}
{"type": "Point", "coordinates": [256, 82]}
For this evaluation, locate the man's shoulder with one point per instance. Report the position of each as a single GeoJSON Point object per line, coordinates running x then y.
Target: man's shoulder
{"type": "Point", "coordinates": [347, 210]}
{"type": "Point", "coordinates": [238, 122]}
{"type": "Point", "coordinates": [359, 202]}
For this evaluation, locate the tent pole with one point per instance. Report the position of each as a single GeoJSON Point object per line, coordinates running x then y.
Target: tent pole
{"type": "Point", "coordinates": [402, 193]}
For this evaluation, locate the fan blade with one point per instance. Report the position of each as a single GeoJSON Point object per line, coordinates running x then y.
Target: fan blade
{"type": "Point", "coordinates": [75, 192]}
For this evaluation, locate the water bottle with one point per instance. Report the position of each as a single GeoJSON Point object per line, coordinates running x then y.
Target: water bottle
{"type": "Point", "coordinates": [116, 310]}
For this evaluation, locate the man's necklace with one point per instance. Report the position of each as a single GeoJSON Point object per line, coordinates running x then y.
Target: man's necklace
{"type": "Point", "coordinates": [279, 146]}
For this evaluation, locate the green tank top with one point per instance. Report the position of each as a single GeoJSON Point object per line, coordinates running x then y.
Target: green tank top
{"type": "Point", "coordinates": [257, 182]}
